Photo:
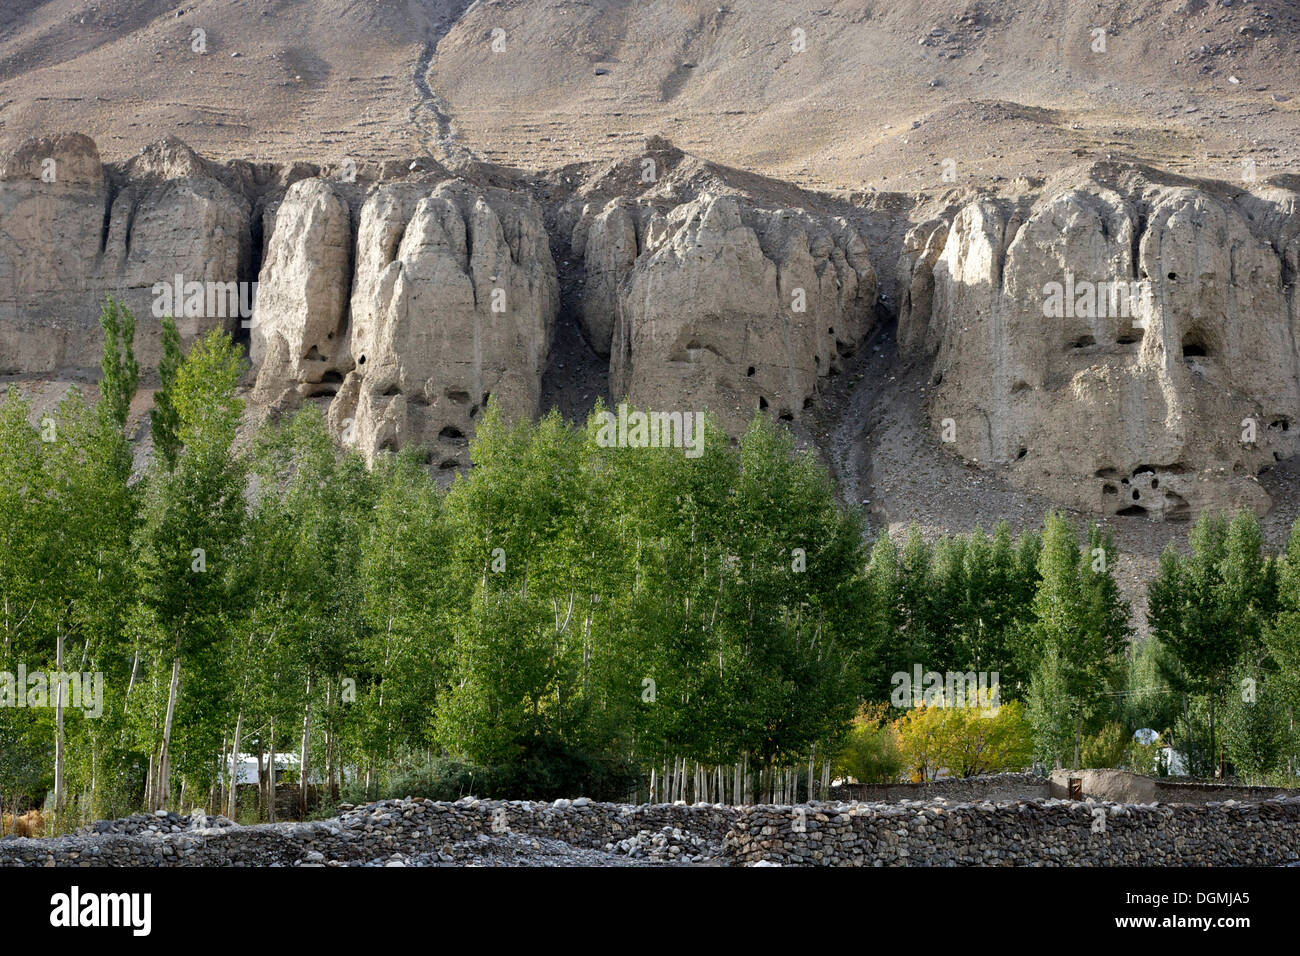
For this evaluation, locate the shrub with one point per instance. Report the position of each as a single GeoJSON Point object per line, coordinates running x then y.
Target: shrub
{"type": "Point", "coordinates": [870, 752]}
{"type": "Point", "coordinates": [1108, 747]}
{"type": "Point", "coordinates": [547, 769]}
{"type": "Point", "coordinates": [964, 741]}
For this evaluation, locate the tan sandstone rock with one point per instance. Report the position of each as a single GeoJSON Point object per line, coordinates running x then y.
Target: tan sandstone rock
{"type": "Point", "coordinates": [722, 304]}
{"type": "Point", "coordinates": [69, 240]}
{"type": "Point", "coordinates": [1166, 409]}
{"type": "Point", "coordinates": [298, 342]}
{"type": "Point", "coordinates": [454, 301]}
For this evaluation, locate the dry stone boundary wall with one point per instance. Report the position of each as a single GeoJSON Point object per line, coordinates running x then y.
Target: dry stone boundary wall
{"type": "Point", "coordinates": [934, 833]}
{"type": "Point", "coordinates": [1024, 833]}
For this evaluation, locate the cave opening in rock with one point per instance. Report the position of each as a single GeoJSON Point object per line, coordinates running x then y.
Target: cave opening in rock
{"type": "Point", "coordinates": [1194, 346]}
{"type": "Point", "coordinates": [1132, 511]}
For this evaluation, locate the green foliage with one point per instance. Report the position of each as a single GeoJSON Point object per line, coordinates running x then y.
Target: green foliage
{"type": "Point", "coordinates": [1079, 635]}
{"type": "Point", "coordinates": [1108, 747]}
{"type": "Point", "coordinates": [568, 616]}
{"type": "Point", "coordinates": [1256, 726]}
{"type": "Point", "coordinates": [964, 741]}
{"type": "Point", "coordinates": [870, 751]}
{"type": "Point", "coordinates": [120, 371]}
{"type": "Point", "coordinates": [164, 421]}
{"type": "Point", "coordinates": [1209, 609]}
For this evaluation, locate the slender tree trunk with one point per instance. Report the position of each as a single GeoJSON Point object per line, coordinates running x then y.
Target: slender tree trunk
{"type": "Point", "coordinates": [1214, 750]}
{"type": "Point", "coordinates": [164, 756]}
{"type": "Point", "coordinates": [232, 802]}
{"type": "Point", "coordinates": [270, 778]}
{"type": "Point", "coordinates": [329, 742]}
{"type": "Point", "coordinates": [306, 753]}
{"type": "Point", "coordinates": [216, 795]}
{"type": "Point", "coordinates": [58, 725]}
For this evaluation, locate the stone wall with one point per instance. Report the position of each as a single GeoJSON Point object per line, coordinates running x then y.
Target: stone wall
{"type": "Point", "coordinates": [936, 833]}
{"type": "Point", "coordinates": [371, 832]}
{"type": "Point", "coordinates": [1204, 791]}
{"type": "Point", "coordinates": [1001, 786]}
{"type": "Point", "coordinates": [1039, 832]}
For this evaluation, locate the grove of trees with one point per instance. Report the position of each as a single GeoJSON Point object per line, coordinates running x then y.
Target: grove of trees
{"type": "Point", "coordinates": [565, 617]}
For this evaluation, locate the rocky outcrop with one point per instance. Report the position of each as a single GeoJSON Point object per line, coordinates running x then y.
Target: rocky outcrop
{"type": "Point", "coordinates": [69, 236]}
{"type": "Point", "coordinates": [298, 342]}
{"type": "Point", "coordinates": [453, 303]}
{"type": "Point", "coordinates": [719, 302]}
{"type": "Point", "coordinates": [1124, 342]}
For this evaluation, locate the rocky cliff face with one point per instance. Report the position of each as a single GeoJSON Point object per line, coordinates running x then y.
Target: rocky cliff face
{"type": "Point", "coordinates": [1126, 343]}
{"type": "Point", "coordinates": [69, 236]}
{"type": "Point", "coordinates": [298, 342]}
{"type": "Point", "coordinates": [1121, 340]}
{"type": "Point", "coordinates": [454, 299]}
{"type": "Point", "coordinates": [706, 296]}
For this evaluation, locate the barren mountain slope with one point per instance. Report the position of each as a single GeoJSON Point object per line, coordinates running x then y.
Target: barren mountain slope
{"type": "Point", "coordinates": [848, 94]}
{"type": "Point", "coordinates": [1003, 88]}
{"type": "Point", "coordinates": [319, 79]}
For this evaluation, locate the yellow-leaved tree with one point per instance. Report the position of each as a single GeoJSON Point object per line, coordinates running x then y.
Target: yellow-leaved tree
{"type": "Point", "coordinates": [963, 741]}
